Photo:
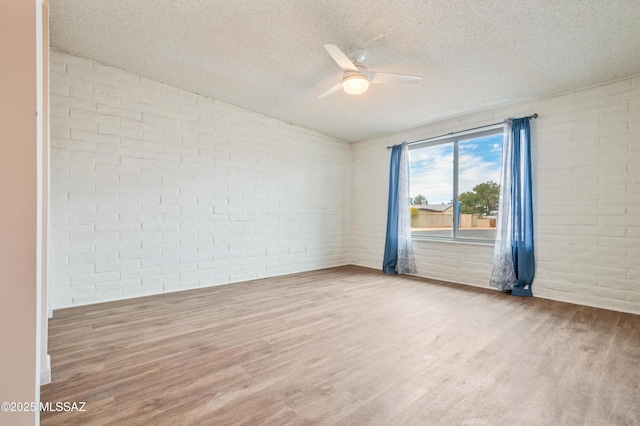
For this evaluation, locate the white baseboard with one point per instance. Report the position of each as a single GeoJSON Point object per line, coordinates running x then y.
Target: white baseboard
{"type": "Point", "coordinates": [45, 372]}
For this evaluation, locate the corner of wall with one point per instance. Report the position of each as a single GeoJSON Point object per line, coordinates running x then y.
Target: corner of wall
{"type": "Point", "coordinates": [45, 371]}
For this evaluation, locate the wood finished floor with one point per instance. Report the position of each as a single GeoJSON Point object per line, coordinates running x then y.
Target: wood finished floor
{"type": "Point", "coordinates": [345, 345]}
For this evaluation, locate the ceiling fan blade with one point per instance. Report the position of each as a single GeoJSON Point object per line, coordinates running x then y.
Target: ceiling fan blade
{"type": "Point", "coordinates": [341, 59]}
{"type": "Point", "coordinates": [384, 77]}
{"type": "Point", "coordinates": [333, 89]}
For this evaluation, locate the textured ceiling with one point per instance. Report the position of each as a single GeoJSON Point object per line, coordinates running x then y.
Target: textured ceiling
{"type": "Point", "coordinates": [267, 55]}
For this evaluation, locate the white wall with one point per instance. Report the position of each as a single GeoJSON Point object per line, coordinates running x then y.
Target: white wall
{"type": "Point", "coordinates": [586, 157]}
{"type": "Point", "coordinates": [43, 178]}
{"type": "Point", "coordinates": [155, 189]}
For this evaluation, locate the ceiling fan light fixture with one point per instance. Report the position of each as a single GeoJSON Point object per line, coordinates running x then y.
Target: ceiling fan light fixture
{"type": "Point", "coordinates": [355, 84]}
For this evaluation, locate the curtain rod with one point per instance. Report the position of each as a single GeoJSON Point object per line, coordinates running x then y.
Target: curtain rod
{"type": "Point", "coordinates": [462, 131]}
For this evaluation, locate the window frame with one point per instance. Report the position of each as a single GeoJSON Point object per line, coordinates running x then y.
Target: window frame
{"type": "Point", "coordinates": [455, 139]}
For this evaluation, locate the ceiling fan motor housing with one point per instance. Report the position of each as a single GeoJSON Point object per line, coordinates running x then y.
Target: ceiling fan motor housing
{"type": "Point", "coordinates": [362, 70]}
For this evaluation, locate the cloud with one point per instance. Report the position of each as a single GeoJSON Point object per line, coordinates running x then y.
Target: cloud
{"type": "Point", "coordinates": [431, 173]}
{"type": "Point", "coordinates": [431, 168]}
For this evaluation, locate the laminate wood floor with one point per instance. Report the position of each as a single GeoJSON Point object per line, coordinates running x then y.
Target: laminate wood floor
{"type": "Point", "coordinates": [345, 345]}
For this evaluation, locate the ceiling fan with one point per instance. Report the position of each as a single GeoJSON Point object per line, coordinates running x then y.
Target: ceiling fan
{"type": "Point", "coordinates": [356, 78]}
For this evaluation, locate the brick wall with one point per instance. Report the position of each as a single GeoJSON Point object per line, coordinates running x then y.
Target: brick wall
{"type": "Point", "coordinates": [586, 159]}
{"type": "Point", "coordinates": [155, 189]}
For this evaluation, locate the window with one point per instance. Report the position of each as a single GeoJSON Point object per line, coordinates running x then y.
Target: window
{"type": "Point", "coordinates": [455, 186]}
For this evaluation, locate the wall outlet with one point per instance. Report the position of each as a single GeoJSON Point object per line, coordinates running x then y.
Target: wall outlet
{"type": "Point", "coordinates": [460, 257]}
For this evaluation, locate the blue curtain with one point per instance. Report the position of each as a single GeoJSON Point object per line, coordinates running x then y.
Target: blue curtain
{"type": "Point", "coordinates": [522, 240]}
{"type": "Point", "coordinates": [390, 259]}
{"type": "Point", "coordinates": [514, 263]}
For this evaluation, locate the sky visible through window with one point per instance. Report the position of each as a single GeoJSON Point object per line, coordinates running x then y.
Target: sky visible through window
{"type": "Point", "coordinates": [431, 169]}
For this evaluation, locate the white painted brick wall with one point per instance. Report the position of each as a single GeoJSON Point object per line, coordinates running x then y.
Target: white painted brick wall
{"type": "Point", "coordinates": [155, 189]}
{"type": "Point", "coordinates": [586, 157]}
